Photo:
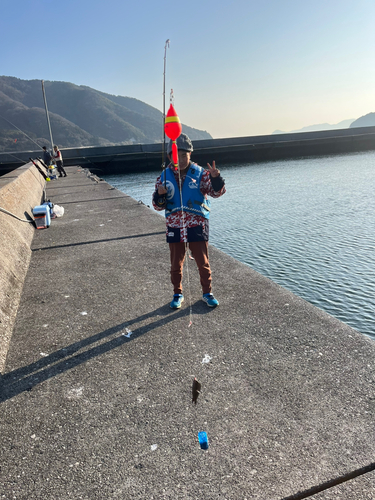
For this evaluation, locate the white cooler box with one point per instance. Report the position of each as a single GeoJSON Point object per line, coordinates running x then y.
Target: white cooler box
{"type": "Point", "coordinates": [42, 216]}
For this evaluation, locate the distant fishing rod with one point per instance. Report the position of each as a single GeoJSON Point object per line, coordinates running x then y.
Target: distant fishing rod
{"type": "Point", "coordinates": [163, 147]}
{"type": "Point", "coordinates": [15, 126]}
{"type": "Point", "coordinates": [25, 161]}
{"type": "Point", "coordinates": [48, 122]}
{"type": "Point", "coordinates": [16, 157]}
{"type": "Point", "coordinates": [45, 177]}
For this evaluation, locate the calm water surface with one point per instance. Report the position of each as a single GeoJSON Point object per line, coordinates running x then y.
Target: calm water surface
{"type": "Point", "coordinates": [307, 224]}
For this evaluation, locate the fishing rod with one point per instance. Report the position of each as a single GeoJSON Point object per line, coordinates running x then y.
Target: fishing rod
{"type": "Point", "coordinates": [25, 162]}
{"type": "Point", "coordinates": [42, 162]}
{"type": "Point", "coordinates": [163, 147]}
{"type": "Point", "coordinates": [45, 105]}
{"type": "Point", "coordinates": [39, 170]}
{"type": "Point", "coordinates": [15, 126]}
{"type": "Point", "coordinates": [16, 157]}
{"type": "Point", "coordinates": [37, 166]}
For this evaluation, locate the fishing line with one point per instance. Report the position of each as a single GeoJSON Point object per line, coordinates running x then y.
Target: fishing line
{"type": "Point", "coordinates": [184, 231]}
{"type": "Point", "coordinates": [15, 126]}
{"type": "Point", "coordinates": [47, 114]}
{"type": "Point", "coordinates": [186, 257]}
{"type": "Point", "coordinates": [16, 157]}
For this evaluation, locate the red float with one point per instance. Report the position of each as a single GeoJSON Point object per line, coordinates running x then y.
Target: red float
{"type": "Point", "coordinates": [173, 129]}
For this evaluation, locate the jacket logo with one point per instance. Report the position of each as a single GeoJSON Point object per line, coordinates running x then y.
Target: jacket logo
{"type": "Point", "coordinates": [193, 184]}
{"type": "Point", "coordinates": [170, 188]}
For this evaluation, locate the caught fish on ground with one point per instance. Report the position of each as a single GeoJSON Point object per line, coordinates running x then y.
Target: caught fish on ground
{"type": "Point", "coordinates": [196, 390]}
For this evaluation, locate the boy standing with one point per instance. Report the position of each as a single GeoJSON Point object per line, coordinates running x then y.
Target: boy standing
{"type": "Point", "coordinates": [188, 224]}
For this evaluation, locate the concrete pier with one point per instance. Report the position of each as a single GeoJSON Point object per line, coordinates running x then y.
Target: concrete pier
{"type": "Point", "coordinates": [96, 390]}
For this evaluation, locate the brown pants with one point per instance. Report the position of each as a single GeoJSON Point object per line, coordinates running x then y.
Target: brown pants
{"type": "Point", "coordinates": [199, 250]}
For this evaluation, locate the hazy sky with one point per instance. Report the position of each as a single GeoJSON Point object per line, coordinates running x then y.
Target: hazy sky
{"type": "Point", "coordinates": [237, 68]}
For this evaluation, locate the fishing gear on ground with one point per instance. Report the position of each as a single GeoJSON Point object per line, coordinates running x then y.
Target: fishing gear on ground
{"type": "Point", "coordinates": [40, 170]}
{"type": "Point", "coordinates": [45, 212]}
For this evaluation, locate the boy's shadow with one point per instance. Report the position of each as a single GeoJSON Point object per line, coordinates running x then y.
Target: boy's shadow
{"type": "Point", "coordinates": [27, 377]}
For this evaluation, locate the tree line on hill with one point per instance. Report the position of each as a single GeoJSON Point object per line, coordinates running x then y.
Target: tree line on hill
{"type": "Point", "coordinates": [79, 116]}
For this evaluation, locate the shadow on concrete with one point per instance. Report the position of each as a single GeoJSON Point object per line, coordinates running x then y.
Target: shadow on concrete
{"type": "Point", "coordinates": [54, 190]}
{"type": "Point", "coordinates": [95, 201]}
{"type": "Point", "coordinates": [98, 241]}
{"type": "Point", "coordinates": [27, 377]}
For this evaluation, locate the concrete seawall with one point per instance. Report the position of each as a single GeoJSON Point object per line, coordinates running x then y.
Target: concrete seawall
{"type": "Point", "coordinates": [140, 157]}
{"type": "Point", "coordinates": [20, 191]}
{"type": "Point", "coordinates": [95, 396]}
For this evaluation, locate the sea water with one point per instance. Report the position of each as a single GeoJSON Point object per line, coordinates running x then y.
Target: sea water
{"type": "Point", "coordinates": [307, 224]}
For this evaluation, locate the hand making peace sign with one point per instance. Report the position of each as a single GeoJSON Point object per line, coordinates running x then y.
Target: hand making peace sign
{"type": "Point", "coordinates": [213, 170]}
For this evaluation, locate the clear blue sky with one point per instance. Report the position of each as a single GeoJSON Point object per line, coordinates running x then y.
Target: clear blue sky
{"type": "Point", "coordinates": [237, 68]}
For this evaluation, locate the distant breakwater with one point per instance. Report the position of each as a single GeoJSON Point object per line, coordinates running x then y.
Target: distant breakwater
{"type": "Point", "coordinates": [144, 157]}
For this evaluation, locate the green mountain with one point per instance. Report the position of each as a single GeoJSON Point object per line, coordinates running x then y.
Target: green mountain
{"type": "Point", "coordinates": [79, 116]}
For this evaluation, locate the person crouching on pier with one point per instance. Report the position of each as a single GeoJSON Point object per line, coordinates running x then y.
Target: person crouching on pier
{"type": "Point", "coordinates": [59, 161]}
{"type": "Point", "coordinates": [188, 225]}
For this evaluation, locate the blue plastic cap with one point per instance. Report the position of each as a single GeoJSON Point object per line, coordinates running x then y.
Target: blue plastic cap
{"type": "Point", "coordinates": [203, 440]}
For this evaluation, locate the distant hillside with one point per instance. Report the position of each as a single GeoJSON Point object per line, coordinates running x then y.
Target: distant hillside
{"type": "Point", "coordinates": [364, 121]}
{"type": "Point", "coordinates": [79, 116]}
{"type": "Point", "coordinates": [321, 126]}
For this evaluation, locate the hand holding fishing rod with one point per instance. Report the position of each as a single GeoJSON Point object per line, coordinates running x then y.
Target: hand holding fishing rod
{"type": "Point", "coordinates": [162, 190]}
